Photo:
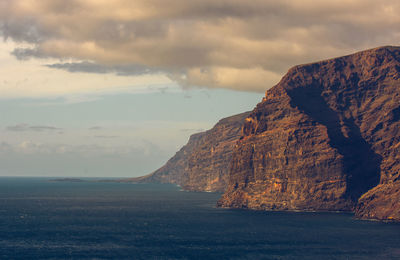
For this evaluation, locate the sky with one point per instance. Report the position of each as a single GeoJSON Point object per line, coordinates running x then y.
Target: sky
{"type": "Point", "coordinates": [114, 88]}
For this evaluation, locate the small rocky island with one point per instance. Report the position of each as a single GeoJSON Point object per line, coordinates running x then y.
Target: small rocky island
{"type": "Point", "coordinates": [325, 138]}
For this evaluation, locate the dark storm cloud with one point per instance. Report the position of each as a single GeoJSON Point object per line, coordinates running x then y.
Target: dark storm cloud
{"type": "Point", "coordinates": [245, 45]}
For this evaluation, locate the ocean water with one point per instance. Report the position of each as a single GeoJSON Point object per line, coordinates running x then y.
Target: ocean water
{"type": "Point", "coordinates": [93, 220]}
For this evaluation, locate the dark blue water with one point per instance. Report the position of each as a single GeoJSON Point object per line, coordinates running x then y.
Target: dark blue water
{"type": "Point", "coordinates": [64, 220]}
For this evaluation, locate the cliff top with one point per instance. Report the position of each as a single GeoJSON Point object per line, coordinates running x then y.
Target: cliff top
{"type": "Point", "coordinates": [381, 51]}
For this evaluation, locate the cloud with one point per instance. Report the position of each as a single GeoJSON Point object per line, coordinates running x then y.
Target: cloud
{"type": "Point", "coordinates": [33, 79]}
{"type": "Point", "coordinates": [106, 136]}
{"type": "Point", "coordinates": [40, 159]}
{"type": "Point", "coordinates": [95, 128]}
{"type": "Point", "coordinates": [91, 67]}
{"type": "Point", "coordinates": [243, 45]}
{"type": "Point", "coordinates": [40, 128]}
{"type": "Point", "coordinates": [36, 128]}
{"type": "Point", "coordinates": [25, 53]}
{"type": "Point", "coordinates": [85, 150]}
{"type": "Point", "coordinates": [5, 147]}
{"type": "Point", "coordinates": [18, 127]}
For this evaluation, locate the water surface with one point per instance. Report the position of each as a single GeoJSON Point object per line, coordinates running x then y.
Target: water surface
{"type": "Point", "coordinates": [93, 220]}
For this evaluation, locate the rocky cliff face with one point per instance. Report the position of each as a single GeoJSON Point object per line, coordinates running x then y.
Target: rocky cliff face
{"type": "Point", "coordinates": [327, 137]}
{"type": "Point", "coordinates": [203, 163]}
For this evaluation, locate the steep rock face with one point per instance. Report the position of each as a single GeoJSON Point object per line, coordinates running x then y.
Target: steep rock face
{"type": "Point", "coordinates": [381, 203]}
{"type": "Point", "coordinates": [203, 163]}
{"type": "Point", "coordinates": [324, 136]}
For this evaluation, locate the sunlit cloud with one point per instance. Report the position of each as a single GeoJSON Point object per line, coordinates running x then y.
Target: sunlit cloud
{"type": "Point", "coordinates": [243, 45]}
{"type": "Point", "coordinates": [36, 78]}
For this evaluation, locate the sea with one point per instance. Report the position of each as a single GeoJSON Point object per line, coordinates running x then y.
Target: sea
{"type": "Point", "coordinates": [44, 219]}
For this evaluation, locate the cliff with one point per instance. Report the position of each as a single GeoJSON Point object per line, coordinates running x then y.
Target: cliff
{"type": "Point", "coordinates": [203, 163]}
{"type": "Point", "coordinates": [326, 137]}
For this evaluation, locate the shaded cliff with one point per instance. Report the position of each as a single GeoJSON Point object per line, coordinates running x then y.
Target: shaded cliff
{"type": "Point", "coordinates": [324, 136]}
{"type": "Point", "coordinates": [203, 163]}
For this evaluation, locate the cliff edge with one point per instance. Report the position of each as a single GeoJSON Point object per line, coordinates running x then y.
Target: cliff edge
{"type": "Point", "coordinates": [326, 137]}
